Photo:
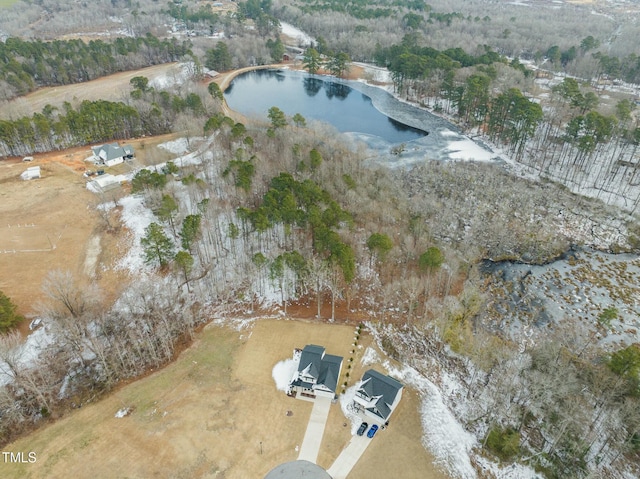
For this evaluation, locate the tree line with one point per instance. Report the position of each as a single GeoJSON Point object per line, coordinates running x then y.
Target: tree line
{"type": "Point", "coordinates": [151, 112]}
{"type": "Point", "coordinates": [27, 65]}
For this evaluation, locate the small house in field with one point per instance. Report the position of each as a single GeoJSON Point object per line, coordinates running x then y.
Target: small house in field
{"type": "Point", "coordinates": [378, 396]}
{"type": "Point", "coordinates": [31, 173]}
{"type": "Point", "coordinates": [317, 374]}
{"type": "Point", "coordinates": [111, 154]}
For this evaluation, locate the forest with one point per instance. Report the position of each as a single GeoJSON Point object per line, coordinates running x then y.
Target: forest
{"type": "Point", "coordinates": [286, 210]}
{"type": "Point", "coordinates": [149, 112]}
{"type": "Point", "coordinates": [28, 65]}
{"type": "Point", "coordinates": [300, 215]}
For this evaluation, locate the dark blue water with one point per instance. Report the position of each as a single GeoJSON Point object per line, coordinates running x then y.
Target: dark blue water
{"type": "Point", "coordinates": [317, 98]}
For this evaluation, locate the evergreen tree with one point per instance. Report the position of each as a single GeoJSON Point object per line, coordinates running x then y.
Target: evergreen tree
{"type": "Point", "coordinates": [219, 58]}
{"type": "Point", "coordinates": [311, 61]}
{"type": "Point", "coordinates": [8, 316]}
{"type": "Point", "coordinates": [158, 248]}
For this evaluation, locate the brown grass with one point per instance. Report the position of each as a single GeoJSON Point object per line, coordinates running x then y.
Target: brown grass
{"type": "Point", "coordinates": [62, 213]}
{"type": "Point", "coordinates": [215, 412]}
{"type": "Point", "coordinates": [112, 87]}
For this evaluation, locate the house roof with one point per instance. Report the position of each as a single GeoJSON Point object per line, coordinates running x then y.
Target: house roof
{"type": "Point", "coordinates": [329, 371]}
{"type": "Point", "coordinates": [325, 368]}
{"type": "Point", "coordinates": [111, 151]}
{"type": "Point", "coordinates": [310, 360]}
{"type": "Point", "coordinates": [381, 389]}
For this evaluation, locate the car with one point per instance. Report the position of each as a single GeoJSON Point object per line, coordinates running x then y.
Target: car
{"type": "Point", "coordinates": [363, 427]}
{"type": "Point", "coordinates": [372, 431]}
{"type": "Point", "coordinates": [28, 158]}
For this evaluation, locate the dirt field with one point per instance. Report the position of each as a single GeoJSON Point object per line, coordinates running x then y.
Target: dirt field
{"type": "Point", "coordinates": [215, 412]}
{"type": "Point", "coordinates": [45, 225]}
{"type": "Point", "coordinates": [51, 223]}
{"type": "Point", "coordinates": [113, 87]}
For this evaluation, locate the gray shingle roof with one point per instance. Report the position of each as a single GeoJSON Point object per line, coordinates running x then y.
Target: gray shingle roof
{"type": "Point", "coordinates": [311, 358]}
{"type": "Point", "coordinates": [384, 388]}
{"type": "Point", "coordinates": [325, 368]}
{"type": "Point", "coordinates": [329, 371]}
{"type": "Point", "coordinates": [111, 151]}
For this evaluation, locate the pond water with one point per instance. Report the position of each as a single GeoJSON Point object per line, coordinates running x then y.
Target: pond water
{"type": "Point", "coordinates": [317, 98]}
{"type": "Point", "coordinates": [363, 112]}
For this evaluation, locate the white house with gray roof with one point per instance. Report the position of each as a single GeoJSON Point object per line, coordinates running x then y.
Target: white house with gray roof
{"type": "Point", "coordinates": [111, 154]}
{"type": "Point", "coordinates": [377, 396]}
{"type": "Point", "coordinates": [317, 373]}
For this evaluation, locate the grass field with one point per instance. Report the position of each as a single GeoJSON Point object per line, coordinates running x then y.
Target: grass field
{"type": "Point", "coordinates": [114, 87]}
{"type": "Point", "coordinates": [7, 3]}
{"type": "Point", "coordinates": [215, 412]}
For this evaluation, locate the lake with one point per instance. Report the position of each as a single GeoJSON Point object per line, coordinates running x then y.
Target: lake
{"type": "Point", "coordinates": [363, 112]}
{"type": "Point", "coordinates": [317, 98]}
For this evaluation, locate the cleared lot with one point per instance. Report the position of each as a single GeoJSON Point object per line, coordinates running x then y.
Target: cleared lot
{"type": "Point", "coordinates": [215, 412]}
{"type": "Point", "coordinates": [113, 88]}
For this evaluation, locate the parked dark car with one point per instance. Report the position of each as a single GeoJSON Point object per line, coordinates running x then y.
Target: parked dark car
{"type": "Point", "coordinates": [363, 427]}
{"type": "Point", "coordinates": [372, 431]}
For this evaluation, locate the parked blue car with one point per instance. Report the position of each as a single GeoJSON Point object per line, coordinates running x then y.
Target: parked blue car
{"type": "Point", "coordinates": [363, 427]}
{"type": "Point", "coordinates": [372, 431]}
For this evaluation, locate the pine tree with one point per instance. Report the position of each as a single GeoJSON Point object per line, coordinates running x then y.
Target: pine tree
{"type": "Point", "coordinates": [158, 248]}
{"type": "Point", "coordinates": [8, 316]}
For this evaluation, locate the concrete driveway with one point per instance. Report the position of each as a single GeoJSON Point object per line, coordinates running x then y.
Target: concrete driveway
{"type": "Point", "coordinates": [349, 456]}
{"type": "Point", "coordinates": [315, 429]}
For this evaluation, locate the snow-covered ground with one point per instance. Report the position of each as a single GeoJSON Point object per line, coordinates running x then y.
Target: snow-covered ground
{"type": "Point", "coordinates": [443, 435]}
{"type": "Point", "coordinates": [176, 76]}
{"type": "Point", "coordinates": [283, 373]}
{"type": "Point", "coordinates": [179, 146]}
{"type": "Point", "coordinates": [346, 403]}
{"type": "Point", "coordinates": [303, 39]}
{"type": "Point", "coordinates": [27, 353]}
{"type": "Point", "coordinates": [455, 449]}
{"type": "Point", "coordinates": [527, 298]}
{"type": "Point", "coordinates": [136, 216]}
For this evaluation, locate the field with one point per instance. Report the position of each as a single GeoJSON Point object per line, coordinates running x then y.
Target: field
{"type": "Point", "coordinates": [45, 226]}
{"type": "Point", "coordinates": [112, 88]}
{"type": "Point", "coordinates": [7, 3]}
{"type": "Point", "coordinates": [215, 412]}
{"type": "Point", "coordinates": [51, 223]}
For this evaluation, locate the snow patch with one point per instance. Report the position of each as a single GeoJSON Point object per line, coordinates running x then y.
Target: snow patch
{"type": "Point", "coordinates": [125, 411]}
{"type": "Point", "coordinates": [283, 373]}
{"type": "Point", "coordinates": [466, 149]}
{"type": "Point", "coordinates": [136, 217]}
{"type": "Point", "coordinates": [177, 147]}
{"type": "Point", "coordinates": [346, 404]}
{"type": "Point", "coordinates": [27, 353]}
{"type": "Point", "coordinates": [176, 76]}
{"type": "Point", "coordinates": [301, 37]}
{"type": "Point", "coordinates": [370, 356]}
{"type": "Point", "coordinates": [443, 435]}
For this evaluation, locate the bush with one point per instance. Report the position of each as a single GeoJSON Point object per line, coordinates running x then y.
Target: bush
{"type": "Point", "coordinates": [504, 443]}
{"type": "Point", "coordinates": [8, 316]}
{"type": "Point", "coordinates": [389, 348]}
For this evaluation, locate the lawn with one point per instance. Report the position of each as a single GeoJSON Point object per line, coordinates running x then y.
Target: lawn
{"type": "Point", "coordinates": [215, 412]}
